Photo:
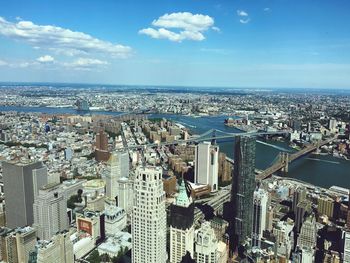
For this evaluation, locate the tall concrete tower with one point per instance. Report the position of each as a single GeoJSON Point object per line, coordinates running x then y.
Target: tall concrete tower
{"type": "Point", "coordinates": [50, 212]}
{"type": "Point", "coordinates": [118, 167]}
{"type": "Point", "coordinates": [149, 217]}
{"type": "Point", "coordinates": [207, 165]}
{"type": "Point", "coordinates": [259, 216]}
{"type": "Point", "coordinates": [21, 183]}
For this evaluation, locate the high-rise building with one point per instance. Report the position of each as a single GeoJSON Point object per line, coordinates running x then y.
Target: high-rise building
{"type": "Point", "coordinates": [348, 215]}
{"type": "Point", "coordinates": [181, 225]}
{"type": "Point", "coordinates": [325, 206]}
{"type": "Point", "coordinates": [206, 167]}
{"type": "Point", "coordinates": [18, 244]}
{"type": "Point", "coordinates": [125, 194]}
{"type": "Point", "coordinates": [118, 167]}
{"type": "Point", "coordinates": [50, 212]}
{"type": "Point", "coordinates": [206, 244]}
{"type": "Point", "coordinates": [149, 217]}
{"type": "Point", "coordinates": [59, 249]}
{"type": "Point", "coordinates": [243, 186]}
{"type": "Point", "coordinates": [101, 153]}
{"type": "Point", "coordinates": [346, 256]}
{"type": "Point", "coordinates": [308, 233]}
{"type": "Point", "coordinates": [259, 215]}
{"type": "Point", "coordinates": [298, 196]}
{"type": "Point", "coordinates": [303, 209]}
{"type": "Point", "coordinates": [20, 184]}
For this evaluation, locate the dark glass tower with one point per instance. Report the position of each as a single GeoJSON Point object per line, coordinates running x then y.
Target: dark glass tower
{"type": "Point", "coordinates": [243, 186]}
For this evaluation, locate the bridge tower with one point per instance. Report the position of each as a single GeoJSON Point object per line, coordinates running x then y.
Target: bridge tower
{"type": "Point", "coordinates": [284, 157]}
{"type": "Point", "coordinates": [213, 139]}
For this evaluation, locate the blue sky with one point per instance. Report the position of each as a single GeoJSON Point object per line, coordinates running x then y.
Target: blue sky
{"type": "Point", "coordinates": [233, 43]}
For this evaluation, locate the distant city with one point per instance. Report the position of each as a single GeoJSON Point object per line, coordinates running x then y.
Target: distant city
{"type": "Point", "coordinates": [99, 173]}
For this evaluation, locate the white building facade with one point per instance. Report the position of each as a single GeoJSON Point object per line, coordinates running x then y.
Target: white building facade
{"type": "Point", "coordinates": [50, 212]}
{"type": "Point", "coordinates": [206, 244]}
{"type": "Point", "coordinates": [207, 165]}
{"type": "Point", "coordinates": [118, 167]}
{"type": "Point", "coordinates": [259, 216]}
{"type": "Point", "coordinates": [149, 217]}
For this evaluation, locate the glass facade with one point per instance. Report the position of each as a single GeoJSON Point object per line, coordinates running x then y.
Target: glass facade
{"type": "Point", "coordinates": [243, 186]}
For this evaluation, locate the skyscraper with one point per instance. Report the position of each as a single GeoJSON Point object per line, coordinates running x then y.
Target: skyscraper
{"type": "Point", "coordinates": [308, 233]}
{"type": "Point", "coordinates": [50, 212]}
{"type": "Point", "coordinates": [118, 167]}
{"type": "Point", "coordinates": [243, 186]}
{"type": "Point", "coordinates": [101, 153]}
{"type": "Point", "coordinates": [207, 165]}
{"type": "Point", "coordinates": [59, 249]}
{"type": "Point", "coordinates": [346, 237]}
{"type": "Point", "coordinates": [181, 226]}
{"type": "Point", "coordinates": [149, 217]}
{"type": "Point", "coordinates": [299, 195]}
{"type": "Point", "coordinates": [20, 184]}
{"type": "Point", "coordinates": [259, 215]}
{"type": "Point", "coordinates": [206, 244]}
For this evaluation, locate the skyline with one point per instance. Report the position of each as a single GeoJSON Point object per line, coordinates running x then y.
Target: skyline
{"type": "Point", "coordinates": [237, 44]}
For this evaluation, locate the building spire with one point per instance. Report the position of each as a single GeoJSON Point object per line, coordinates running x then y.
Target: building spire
{"type": "Point", "coordinates": [182, 198]}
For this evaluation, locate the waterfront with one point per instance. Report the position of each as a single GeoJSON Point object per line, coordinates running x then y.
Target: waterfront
{"type": "Point", "coordinates": [319, 170]}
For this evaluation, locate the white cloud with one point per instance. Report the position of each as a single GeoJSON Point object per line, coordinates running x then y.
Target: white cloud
{"type": "Point", "coordinates": [267, 9]}
{"type": "Point", "coordinates": [189, 26]}
{"type": "Point", "coordinates": [85, 63]}
{"type": "Point", "coordinates": [242, 13]}
{"type": "Point", "coordinates": [60, 39]}
{"type": "Point", "coordinates": [244, 17]}
{"type": "Point", "coordinates": [3, 63]}
{"type": "Point", "coordinates": [45, 59]}
{"type": "Point", "coordinates": [244, 21]}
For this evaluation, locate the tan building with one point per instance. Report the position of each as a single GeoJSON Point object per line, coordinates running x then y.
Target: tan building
{"type": "Point", "coordinates": [225, 168]}
{"type": "Point", "coordinates": [325, 206]}
{"type": "Point", "coordinates": [169, 184]}
{"type": "Point", "coordinates": [17, 244]}
{"type": "Point", "coordinates": [59, 249]}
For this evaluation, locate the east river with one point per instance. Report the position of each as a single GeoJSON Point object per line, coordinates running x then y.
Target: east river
{"type": "Point", "coordinates": [319, 170]}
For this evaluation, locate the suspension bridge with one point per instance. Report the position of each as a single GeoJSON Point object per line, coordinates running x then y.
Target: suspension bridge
{"type": "Point", "coordinates": [281, 162]}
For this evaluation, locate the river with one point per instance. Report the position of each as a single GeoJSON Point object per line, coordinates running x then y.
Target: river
{"type": "Point", "coordinates": [319, 170]}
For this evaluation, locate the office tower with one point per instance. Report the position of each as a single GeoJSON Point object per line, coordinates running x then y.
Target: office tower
{"type": "Point", "coordinates": [115, 219]}
{"type": "Point", "coordinates": [125, 194]}
{"type": "Point", "coordinates": [118, 167]}
{"type": "Point", "coordinates": [225, 168]}
{"type": "Point", "coordinates": [101, 153]}
{"type": "Point", "coordinates": [19, 187]}
{"type": "Point", "coordinates": [307, 255]}
{"type": "Point", "coordinates": [346, 256]}
{"type": "Point", "coordinates": [298, 196]}
{"type": "Point", "coordinates": [59, 249]}
{"type": "Point", "coordinates": [50, 212]}
{"type": "Point", "coordinates": [181, 225]}
{"type": "Point", "coordinates": [283, 232]}
{"type": "Point", "coordinates": [206, 244]}
{"type": "Point", "coordinates": [18, 244]}
{"type": "Point", "coordinates": [40, 178]}
{"type": "Point", "coordinates": [259, 215]}
{"type": "Point", "coordinates": [207, 165]}
{"type": "Point", "coordinates": [149, 217]}
{"type": "Point", "coordinates": [243, 186]}
{"type": "Point", "coordinates": [325, 206]}
{"type": "Point", "coordinates": [308, 233]}
{"type": "Point", "coordinates": [303, 209]}
{"type": "Point", "coordinates": [348, 214]}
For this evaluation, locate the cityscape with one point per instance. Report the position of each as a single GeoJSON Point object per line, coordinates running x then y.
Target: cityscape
{"type": "Point", "coordinates": [138, 140]}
